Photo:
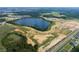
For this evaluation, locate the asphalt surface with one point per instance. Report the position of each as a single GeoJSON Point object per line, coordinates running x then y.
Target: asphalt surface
{"type": "Point", "coordinates": [62, 43]}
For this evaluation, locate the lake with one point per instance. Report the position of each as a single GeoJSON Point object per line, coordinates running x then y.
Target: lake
{"type": "Point", "coordinates": [37, 23]}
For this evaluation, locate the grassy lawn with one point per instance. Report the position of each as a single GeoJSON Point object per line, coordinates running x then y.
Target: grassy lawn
{"type": "Point", "coordinates": [66, 47]}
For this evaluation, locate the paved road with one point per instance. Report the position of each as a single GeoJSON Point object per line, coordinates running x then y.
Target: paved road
{"type": "Point", "coordinates": [60, 44]}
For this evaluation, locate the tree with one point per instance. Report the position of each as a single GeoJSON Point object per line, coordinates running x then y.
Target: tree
{"type": "Point", "coordinates": [17, 43]}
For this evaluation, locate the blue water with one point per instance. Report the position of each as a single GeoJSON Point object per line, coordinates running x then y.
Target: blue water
{"type": "Point", "coordinates": [37, 23]}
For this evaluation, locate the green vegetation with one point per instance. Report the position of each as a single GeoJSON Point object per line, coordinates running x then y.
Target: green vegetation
{"type": "Point", "coordinates": [34, 41]}
{"type": "Point", "coordinates": [17, 43]}
{"type": "Point", "coordinates": [9, 40]}
{"type": "Point", "coordinates": [12, 41]}
{"type": "Point", "coordinates": [75, 49]}
{"type": "Point", "coordinates": [4, 29]}
{"type": "Point", "coordinates": [54, 15]}
{"type": "Point", "coordinates": [50, 25]}
{"type": "Point", "coordinates": [66, 47]}
{"type": "Point", "coordinates": [2, 19]}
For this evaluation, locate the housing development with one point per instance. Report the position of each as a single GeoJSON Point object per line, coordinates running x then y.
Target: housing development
{"type": "Point", "coordinates": [39, 29]}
